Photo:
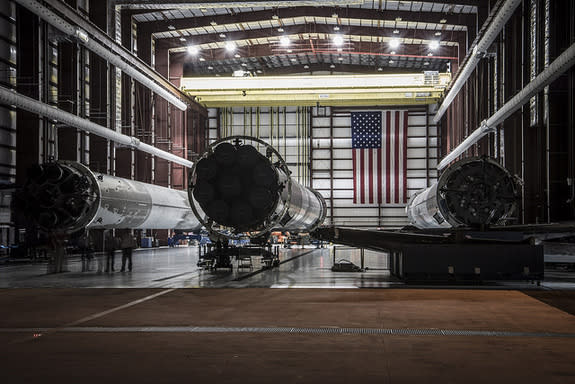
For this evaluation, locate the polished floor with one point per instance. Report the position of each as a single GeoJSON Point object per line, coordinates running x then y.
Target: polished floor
{"type": "Point", "coordinates": [301, 267]}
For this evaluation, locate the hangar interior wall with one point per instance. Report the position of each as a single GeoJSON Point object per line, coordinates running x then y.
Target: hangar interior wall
{"type": "Point", "coordinates": [316, 144]}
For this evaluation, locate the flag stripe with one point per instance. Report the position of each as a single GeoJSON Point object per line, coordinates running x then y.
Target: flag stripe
{"type": "Point", "coordinates": [404, 165]}
{"type": "Point", "coordinates": [355, 191]}
{"type": "Point", "coordinates": [387, 157]}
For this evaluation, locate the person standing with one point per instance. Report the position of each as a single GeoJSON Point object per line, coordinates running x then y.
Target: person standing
{"type": "Point", "coordinates": [128, 244]}
{"type": "Point", "coordinates": [86, 245]}
{"type": "Point", "coordinates": [110, 250]}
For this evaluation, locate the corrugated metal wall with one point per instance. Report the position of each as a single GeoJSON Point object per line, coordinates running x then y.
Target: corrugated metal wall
{"type": "Point", "coordinates": [316, 144]}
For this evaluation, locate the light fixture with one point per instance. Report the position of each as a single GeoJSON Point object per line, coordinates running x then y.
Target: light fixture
{"type": "Point", "coordinates": [230, 46]}
{"type": "Point", "coordinates": [332, 66]}
{"type": "Point", "coordinates": [340, 49]}
{"type": "Point", "coordinates": [334, 15]}
{"type": "Point", "coordinates": [213, 23]}
{"type": "Point", "coordinates": [244, 65]}
{"type": "Point", "coordinates": [259, 71]}
{"type": "Point", "coordinates": [210, 67]}
{"type": "Point", "coordinates": [336, 28]}
{"type": "Point", "coordinates": [223, 35]}
{"type": "Point", "coordinates": [430, 54]}
{"type": "Point", "coordinates": [280, 30]}
{"type": "Point", "coordinates": [202, 59]}
{"type": "Point", "coordinates": [443, 21]}
{"type": "Point", "coordinates": [391, 61]}
{"type": "Point", "coordinates": [426, 63]}
{"type": "Point", "coordinates": [204, 10]}
{"type": "Point", "coordinates": [275, 17]}
{"type": "Point", "coordinates": [284, 41]}
{"type": "Point", "coordinates": [182, 39]}
{"type": "Point", "coordinates": [434, 44]}
{"type": "Point", "coordinates": [289, 51]}
{"type": "Point", "coordinates": [338, 40]}
{"type": "Point", "coordinates": [394, 43]}
{"type": "Point", "coordinates": [380, 69]}
{"type": "Point", "coordinates": [171, 27]}
{"type": "Point", "coordinates": [306, 66]}
{"type": "Point", "coordinates": [340, 58]}
{"type": "Point", "coordinates": [237, 56]}
{"type": "Point", "coordinates": [293, 59]}
{"type": "Point", "coordinates": [398, 19]}
{"type": "Point", "coordinates": [193, 50]}
{"type": "Point", "coordinates": [392, 52]}
{"type": "Point", "coordinates": [396, 31]}
{"type": "Point", "coordinates": [437, 33]}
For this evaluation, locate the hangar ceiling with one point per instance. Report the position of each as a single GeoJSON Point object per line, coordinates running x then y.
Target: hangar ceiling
{"type": "Point", "coordinates": [278, 38]}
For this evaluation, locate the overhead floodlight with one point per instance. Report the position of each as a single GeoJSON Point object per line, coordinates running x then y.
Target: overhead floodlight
{"type": "Point", "coordinates": [336, 28]}
{"type": "Point", "coordinates": [398, 19]}
{"type": "Point", "coordinates": [396, 31]}
{"type": "Point", "coordinates": [293, 59]}
{"type": "Point", "coordinates": [340, 58]}
{"type": "Point", "coordinates": [202, 59]}
{"type": "Point", "coordinates": [289, 51]}
{"type": "Point", "coordinates": [237, 56]}
{"type": "Point", "coordinates": [275, 17]}
{"type": "Point", "coordinates": [280, 30]}
{"type": "Point", "coordinates": [192, 50]}
{"type": "Point", "coordinates": [392, 52]}
{"type": "Point", "coordinates": [338, 39]}
{"type": "Point", "coordinates": [284, 41]}
{"type": "Point", "coordinates": [380, 69]}
{"type": "Point", "coordinates": [443, 21]}
{"type": "Point", "coordinates": [171, 27]}
{"type": "Point", "coordinates": [391, 61]}
{"type": "Point", "coordinates": [334, 15]}
{"type": "Point", "coordinates": [223, 35]}
{"type": "Point", "coordinates": [426, 63]}
{"type": "Point", "coordinates": [340, 49]}
{"type": "Point", "coordinates": [213, 23]}
{"type": "Point", "coordinates": [437, 33]}
{"type": "Point", "coordinates": [306, 66]}
{"type": "Point", "coordinates": [182, 39]}
{"type": "Point", "coordinates": [434, 45]}
{"type": "Point", "coordinates": [210, 67]}
{"type": "Point", "coordinates": [259, 71]}
{"type": "Point", "coordinates": [394, 43]}
{"type": "Point", "coordinates": [332, 66]}
{"type": "Point", "coordinates": [230, 46]}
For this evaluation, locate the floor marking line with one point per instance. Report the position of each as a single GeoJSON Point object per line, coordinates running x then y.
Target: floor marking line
{"type": "Point", "coordinates": [295, 330]}
{"type": "Point", "coordinates": [119, 308]}
{"type": "Point", "coordinates": [251, 274]}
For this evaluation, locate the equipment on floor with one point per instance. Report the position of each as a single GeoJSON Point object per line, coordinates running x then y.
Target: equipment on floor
{"type": "Point", "coordinates": [66, 196]}
{"type": "Point", "coordinates": [473, 192]}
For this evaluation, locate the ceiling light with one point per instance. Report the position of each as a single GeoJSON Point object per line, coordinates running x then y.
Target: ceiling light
{"type": "Point", "coordinates": [334, 15]}
{"type": "Point", "coordinates": [204, 10]}
{"type": "Point", "coordinates": [193, 50]}
{"type": "Point", "coordinates": [259, 71]}
{"type": "Point", "coordinates": [244, 65]}
{"type": "Point", "coordinates": [182, 39]}
{"type": "Point", "coordinates": [340, 49]}
{"type": "Point", "coordinates": [391, 61]}
{"type": "Point", "coordinates": [434, 44]}
{"type": "Point", "coordinates": [284, 41]}
{"type": "Point", "coordinates": [306, 66]}
{"type": "Point", "coordinates": [340, 58]}
{"type": "Point", "coordinates": [392, 52]}
{"type": "Point", "coordinates": [275, 17]}
{"type": "Point", "coordinates": [394, 43]}
{"type": "Point", "coordinates": [332, 66]}
{"type": "Point", "coordinates": [430, 54]}
{"type": "Point", "coordinates": [202, 59]}
{"type": "Point", "coordinates": [210, 67]}
{"type": "Point", "coordinates": [230, 46]}
{"type": "Point", "coordinates": [237, 56]}
{"type": "Point", "coordinates": [426, 63]}
{"type": "Point", "coordinates": [396, 31]}
{"type": "Point", "coordinates": [338, 40]}
{"type": "Point", "coordinates": [443, 21]}
{"type": "Point", "coordinates": [293, 59]}
{"type": "Point", "coordinates": [280, 30]}
{"type": "Point", "coordinates": [171, 27]}
{"type": "Point", "coordinates": [336, 28]}
{"type": "Point", "coordinates": [398, 19]}
{"type": "Point", "coordinates": [380, 69]}
{"type": "Point", "coordinates": [223, 35]}
{"type": "Point", "coordinates": [437, 33]}
{"type": "Point", "coordinates": [213, 23]}
{"type": "Point", "coordinates": [289, 51]}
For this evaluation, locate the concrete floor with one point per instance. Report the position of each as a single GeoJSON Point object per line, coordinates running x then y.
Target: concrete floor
{"type": "Point", "coordinates": [152, 331]}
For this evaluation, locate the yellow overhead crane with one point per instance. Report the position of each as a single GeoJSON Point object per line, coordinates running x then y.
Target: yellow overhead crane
{"type": "Point", "coordinates": [325, 90]}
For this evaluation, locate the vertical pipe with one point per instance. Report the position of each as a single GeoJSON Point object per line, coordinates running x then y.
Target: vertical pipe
{"type": "Point", "coordinates": [546, 42]}
{"type": "Point", "coordinates": [285, 133]}
{"type": "Point", "coordinates": [331, 164]}
{"type": "Point", "coordinates": [298, 146]}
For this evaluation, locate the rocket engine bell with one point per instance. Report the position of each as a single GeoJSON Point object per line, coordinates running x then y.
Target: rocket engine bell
{"type": "Point", "coordinates": [66, 196]}
{"type": "Point", "coordinates": [244, 185]}
{"type": "Point", "coordinates": [472, 192]}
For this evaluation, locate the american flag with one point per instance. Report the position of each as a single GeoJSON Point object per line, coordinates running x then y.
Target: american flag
{"type": "Point", "coordinates": [379, 146]}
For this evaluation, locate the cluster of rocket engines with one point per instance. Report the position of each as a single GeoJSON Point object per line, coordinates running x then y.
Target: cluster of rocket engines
{"type": "Point", "coordinates": [242, 185]}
